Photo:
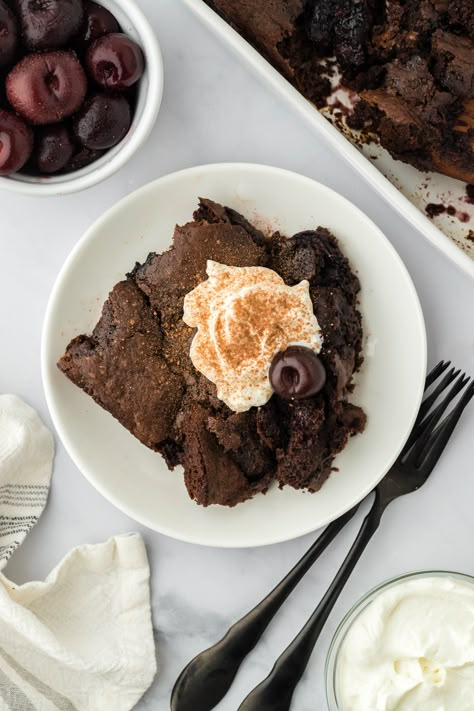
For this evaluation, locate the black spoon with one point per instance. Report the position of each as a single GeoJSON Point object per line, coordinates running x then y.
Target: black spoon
{"type": "Point", "coordinates": [209, 676]}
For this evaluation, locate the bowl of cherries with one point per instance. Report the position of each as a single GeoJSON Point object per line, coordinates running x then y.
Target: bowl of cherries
{"type": "Point", "coordinates": [80, 89]}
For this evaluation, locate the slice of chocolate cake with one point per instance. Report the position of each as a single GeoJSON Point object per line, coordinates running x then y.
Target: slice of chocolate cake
{"type": "Point", "coordinates": [265, 25]}
{"type": "Point", "coordinates": [411, 64]}
{"type": "Point", "coordinates": [140, 363]}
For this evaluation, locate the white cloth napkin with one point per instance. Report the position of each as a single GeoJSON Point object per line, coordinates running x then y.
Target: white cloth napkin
{"type": "Point", "coordinates": [83, 639]}
{"type": "Point", "coordinates": [26, 463]}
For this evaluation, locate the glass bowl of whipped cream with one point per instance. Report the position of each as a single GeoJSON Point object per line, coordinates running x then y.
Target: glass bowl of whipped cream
{"type": "Point", "coordinates": [406, 645]}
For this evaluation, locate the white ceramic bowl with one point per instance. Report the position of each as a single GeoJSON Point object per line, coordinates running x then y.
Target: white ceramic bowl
{"type": "Point", "coordinates": [390, 384]}
{"type": "Point", "coordinates": [150, 90]}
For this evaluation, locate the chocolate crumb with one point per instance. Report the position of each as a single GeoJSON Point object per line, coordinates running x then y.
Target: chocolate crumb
{"type": "Point", "coordinates": [434, 209]}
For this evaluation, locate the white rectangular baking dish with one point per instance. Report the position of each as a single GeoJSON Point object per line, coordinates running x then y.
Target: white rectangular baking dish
{"type": "Point", "coordinates": [405, 188]}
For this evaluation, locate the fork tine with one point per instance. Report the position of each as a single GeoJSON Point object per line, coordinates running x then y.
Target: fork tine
{"type": "Point", "coordinates": [428, 426]}
{"type": "Point", "coordinates": [436, 372]}
{"type": "Point", "coordinates": [431, 399]}
{"type": "Point", "coordinates": [454, 413]}
{"type": "Point", "coordinates": [425, 407]}
{"type": "Point", "coordinates": [456, 388]}
{"type": "Point", "coordinates": [445, 430]}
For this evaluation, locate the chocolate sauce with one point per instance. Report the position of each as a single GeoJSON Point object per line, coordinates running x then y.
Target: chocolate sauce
{"type": "Point", "coordinates": [434, 209]}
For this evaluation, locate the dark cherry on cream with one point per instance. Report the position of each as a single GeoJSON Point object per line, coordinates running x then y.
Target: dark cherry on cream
{"type": "Point", "coordinates": [54, 148]}
{"type": "Point", "coordinates": [49, 24]}
{"type": "Point", "coordinates": [8, 35]}
{"type": "Point", "coordinates": [98, 21]}
{"type": "Point", "coordinates": [47, 87]}
{"type": "Point", "coordinates": [297, 373]}
{"type": "Point", "coordinates": [115, 61]}
{"type": "Point", "coordinates": [103, 121]}
{"type": "Point", "coordinates": [16, 142]}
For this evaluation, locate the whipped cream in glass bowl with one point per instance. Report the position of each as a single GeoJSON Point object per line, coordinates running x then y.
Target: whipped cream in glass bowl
{"type": "Point", "coordinates": [408, 645]}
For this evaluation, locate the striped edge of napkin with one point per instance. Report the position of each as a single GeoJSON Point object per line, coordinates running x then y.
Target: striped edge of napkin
{"type": "Point", "coordinates": [82, 640]}
{"type": "Point", "coordinates": [26, 464]}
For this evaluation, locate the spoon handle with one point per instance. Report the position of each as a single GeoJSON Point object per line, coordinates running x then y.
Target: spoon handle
{"type": "Point", "coordinates": [276, 691]}
{"type": "Point", "coordinates": [208, 677]}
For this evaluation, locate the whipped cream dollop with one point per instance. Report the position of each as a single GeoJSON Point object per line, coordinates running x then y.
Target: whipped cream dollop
{"type": "Point", "coordinates": [244, 317]}
{"type": "Point", "coordinates": [411, 649]}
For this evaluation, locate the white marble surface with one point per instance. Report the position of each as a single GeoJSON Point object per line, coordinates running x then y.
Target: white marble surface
{"type": "Point", "coordinates": [214, 110]}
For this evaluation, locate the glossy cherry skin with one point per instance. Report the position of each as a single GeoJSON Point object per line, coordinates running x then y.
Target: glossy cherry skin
{"type": "Point", "coordinates": [9, 35]}
{"type": "Point", "coordinates": [103, 121]}
{"type": "Point", "coordinates": [49, 24]}
{"type": "Point", "coordinates": [81, 158]}
{"type": "Point", "coordinates": [115, 62]}
{"type": "Point", "coordinates": [97, 21]}
{"type": "Point", "coordinates": [3, 96]}
{"type": "Point", "coordinates": [47, 87]}
{"type": "Point", "coordinates": [16, 142]}
{"type": "Point", "coordinates": [297, 373]}
{"type": "Point", "coordinates": [54, 148]}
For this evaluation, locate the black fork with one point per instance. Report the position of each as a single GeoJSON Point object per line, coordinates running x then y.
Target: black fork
{"type": "Point", "coordinates": [409, 473]}
{"type": "Point", "coordinates": [208, 677]}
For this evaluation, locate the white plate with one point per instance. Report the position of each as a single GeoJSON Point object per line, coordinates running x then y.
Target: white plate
{"type": "Point", "coordinates": [408, 190]}
{"type": "Point", "coordinates": [390, 385]}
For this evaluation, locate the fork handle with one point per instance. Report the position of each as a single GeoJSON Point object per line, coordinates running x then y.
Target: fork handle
{"type": "Point", "coordinates": [208, 677]}
{"type": "Point", "coordinates": [276, 691]}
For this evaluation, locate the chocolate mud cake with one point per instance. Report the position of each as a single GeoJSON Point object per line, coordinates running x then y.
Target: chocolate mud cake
{"type": "Point", "coordinates": [409, 63]}
{"type": "Point", "coordinates": [231, 354]}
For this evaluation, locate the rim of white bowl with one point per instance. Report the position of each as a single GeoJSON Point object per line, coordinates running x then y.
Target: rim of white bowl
{"type": "Point", "coordinates": [150, 92]}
